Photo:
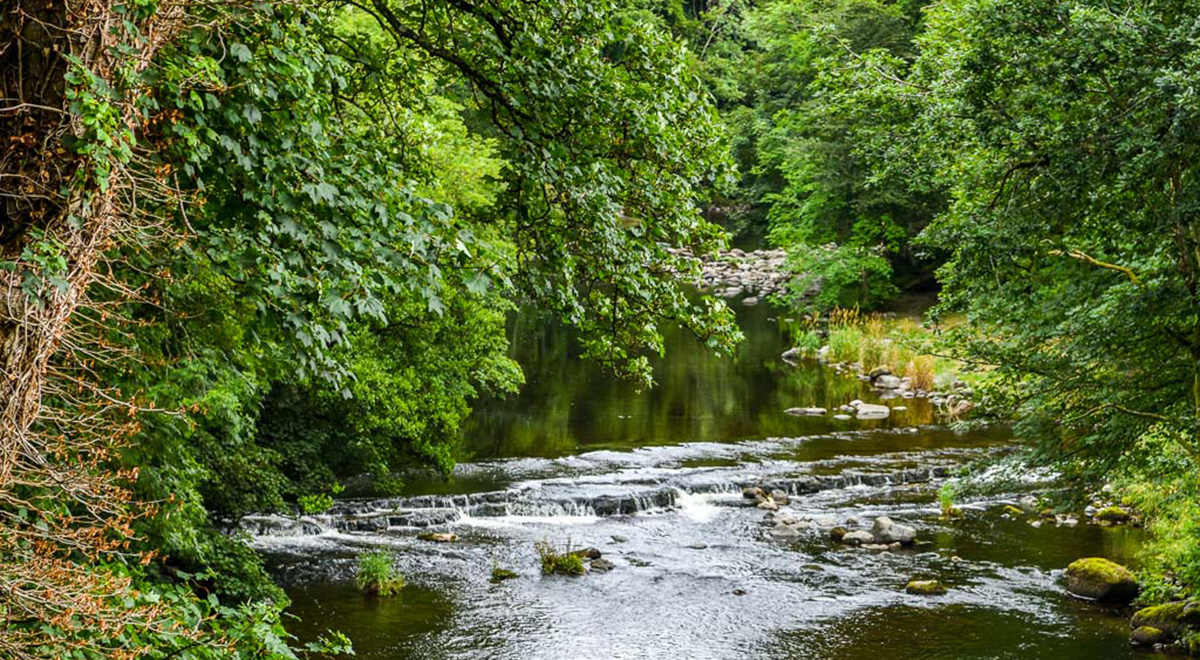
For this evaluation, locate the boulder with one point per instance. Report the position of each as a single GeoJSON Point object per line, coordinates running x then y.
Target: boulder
{"type": "Point", "coordinates": [779, 497]}
{"type": "Point", "coordinates": [438, 537]}
{"type": "Point", "coordinates": [813, 412]}
{"type": "Point", "coordinates": [782, 531]}
{"type": "Point", "coordinates": [750, 302]}
{"type": "Point", "coordinates": [925, 588]}
{"type": "Point", "coordinates": [754, 493]}
{"type": "Point", "coordinates": [843, 418]}
{"type": "Point", "coordinates": [768, 505]}
{"type": "Point", "coordinates": [1013, 511]}
{"type": "Point", "coordinates": [1112, 514]}
{"type": "Point", "coordinates": [586, 553]}
{"type": "Point", "coordinates": [872, 411]}
{"type": "Point", "coordinates": [1148, 636]}
{"type": "Point", "coordinates": [791, 355]}
{"type": "Point", "coordinates": [886, 531]}
{"type": "Point", "coordinates": [857, 538]}
{"type": "Point", "coordinates": [887, 382]}
{"type": "Point", "coordinates": [1101, 580]}
{"type": "Point", "coordinates": [837, 534]}
{"type": "Point", "coordinates": [601, 566]}
{"type": "Point", "coordinates": [879, 371]}
{"type": "Point", "coordinates": [1171, 618]}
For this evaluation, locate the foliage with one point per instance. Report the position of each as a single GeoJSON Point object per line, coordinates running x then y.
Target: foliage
{"type": "Point", "coordinates": [502, 574]}
{"type": "Point", "coordinates": [555, 562]}
{"type": "Point", "coordinates": [946, 495]}
{"type": "Point", "coordinates": [377, 575]}
{"type": "Point", "coordinates": [841, 276]}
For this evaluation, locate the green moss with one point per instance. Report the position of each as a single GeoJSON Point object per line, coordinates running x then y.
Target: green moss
{"type": "Point", "coordinates": [1112, 514]}
{"type": "Point", "coordinates": [1173, 618]}
{"type": "Point", "coordinates": [1098, 568]}
{"type": "Point", "coordinates": [559, 563]}
{"type": "Point", "coordinates": [1013, 511]}
{"type": "Point", "coordinates": [502, 574]}
{"type": "Point", "coordinates": [925, 588]}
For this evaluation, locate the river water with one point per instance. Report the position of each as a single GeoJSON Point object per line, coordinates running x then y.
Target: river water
{"type": "Point", "coordinates": [653, 480]}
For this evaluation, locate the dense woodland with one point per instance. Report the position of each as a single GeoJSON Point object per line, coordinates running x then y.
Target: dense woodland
{"type": "Point", "coordinates": [249, 250]}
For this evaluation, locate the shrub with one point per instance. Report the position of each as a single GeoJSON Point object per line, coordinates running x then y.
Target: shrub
{"type": "Point", "coordinates": [922, 372]}
{"type": "Point", "coordinates": [946, 495]}
{"type": "Point", "coordinates": [809, 342]}
{"type": "Point", "coordinates": [559, 563]}
{"type": "Point", "coordinates": [377, 576]}
{"type": "Point", "coordinates": [844, 342]}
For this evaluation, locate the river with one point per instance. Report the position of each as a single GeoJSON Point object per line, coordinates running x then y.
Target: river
{"type": "Point", "coordinates": [653, 480]}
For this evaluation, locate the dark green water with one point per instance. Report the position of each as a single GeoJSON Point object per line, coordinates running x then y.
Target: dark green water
{"type": "Point", "coordinates": [697, 574]}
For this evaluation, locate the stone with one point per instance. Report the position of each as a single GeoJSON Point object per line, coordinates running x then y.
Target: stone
{"type": "Point", "coordinates": [1101, 580]}
{"type": "Point", "coordinates": [750, 302]}
{"type": "Point", "coordinates": [857, 538]}
{"type": "Point", "coordinates": [779, 497]}
{"type": "Point", "coordinates": [879, 371]}
{"type": "Point", "coordinates": [792, 355]}
{"type": "Point", "coordinates": [837, 534]}
{"type": "Point", "coordinates": [925, 588]}
{"type": "Point", "coordinates": [1172, 618]}
{"type": "Point", "coordinates": [1013, 511]}
{"type": "Point", "coordinates": [438, 537]}
{"type": "Point", "coordinates": [888, 382]}
{"type": "Point", "coordinates": [1112, 514]}
{"type": "Point", "coordinates": [803, 412]}
{"type": "Point", "coordinates": [754, 493]}
{"type": "Point", "coordinates": [601, 565]}
{"type": "Point", "coordinates": [872, 411]}
{"type": "Point", "coordinates": [586, 553]}
{"type": "Point", "coordinates": [782, 531]}
{"type": "Point", "coordinates": [1148, 636]}
{"type": "Point", "coordinates": [617, 538]}
{"type": "Point", "coordinates": [768, 505]}
{"type": "Point", "coordinates": [886, 531]}
{"type": "Point", "coordinates": [843, 418]}
{"type": "Point", "coordinates": [739, 592]}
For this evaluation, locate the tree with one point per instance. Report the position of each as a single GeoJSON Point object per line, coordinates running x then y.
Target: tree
{"type": "Point", "coordinates": [1064, 135]}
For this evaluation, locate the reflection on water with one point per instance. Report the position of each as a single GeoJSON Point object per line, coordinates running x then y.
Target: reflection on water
{"type": "Point", "coordinates": [568, 405]}
{"type": "Point", "coordinates": [654, 480]}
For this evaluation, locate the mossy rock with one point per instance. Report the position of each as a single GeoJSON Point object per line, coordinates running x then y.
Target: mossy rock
{"type": "Point", "coordinates": [837, 533]}
{"type": "Point", "coordinates": [438, 537]}
{"type": "Point", "coordinates": [925, 588]}
{"type": "Point", "coordinates": [1013, 511]}
{"type": "Point", "coordinates": [1172, 618]}
{"type": "Point", "coordinates": [1149, 636]}
{"type": "Point", "coordinates": [1101, 580]}
{"type": "Point", "coordinates": [1112, 514]}
{"type": "Point", "coordinates": [502, 574]}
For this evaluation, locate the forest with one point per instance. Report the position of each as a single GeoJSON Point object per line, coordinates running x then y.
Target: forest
{"type": "Point", "coordinates": [259, 256]}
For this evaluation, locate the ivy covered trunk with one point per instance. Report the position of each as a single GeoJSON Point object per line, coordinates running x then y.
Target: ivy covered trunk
{"type": "Point", "coordinates": [68, 78]}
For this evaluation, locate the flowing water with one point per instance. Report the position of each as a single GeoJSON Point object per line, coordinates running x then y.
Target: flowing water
{"type": "Point", "coordinates": [653, 480]}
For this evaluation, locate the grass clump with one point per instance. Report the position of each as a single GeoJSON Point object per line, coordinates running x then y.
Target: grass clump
{"type": "Point", "coordinates": [844, 343]}
{"type": "Point", "coordinates": [377, 576]}
{"type": "Point", "coordinates": [502, 574]}
{"type": "Point", "coordinates": [946, 495]}
{"type": "Point", "coordinates": [559, 563]}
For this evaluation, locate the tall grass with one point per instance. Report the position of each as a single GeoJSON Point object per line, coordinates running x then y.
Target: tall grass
{"type": "Point", "coordinates": [377, 576]}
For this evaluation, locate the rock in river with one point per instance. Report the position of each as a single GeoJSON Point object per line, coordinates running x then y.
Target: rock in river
{"type": "Point", "coordinates": [887, 531]}
{"type": "Point", "coordinates": [806, 411]}
{"type": "Point", "coordinates": [857, 538]}
{"type": "Point", "coordinates": [925, 588]}
{"type": "Point", "coordinates": [1101, 580]}
{"type": "Point", "coordinates": [1171, 618]}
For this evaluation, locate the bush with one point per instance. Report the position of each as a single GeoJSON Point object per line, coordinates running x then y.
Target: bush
{"type": "Point", "coordinates": [844, 342]}
{"type": "Point", "coordinates": [559, 563]}
{"type": "Point", "coordinates": [377, 576]}
{"type": "Point", "coordinates": [502, 574]}
{"type": "Point", "coordinates": [848, 276]}
{"type": "Point", "coordinates": [922, 372]}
